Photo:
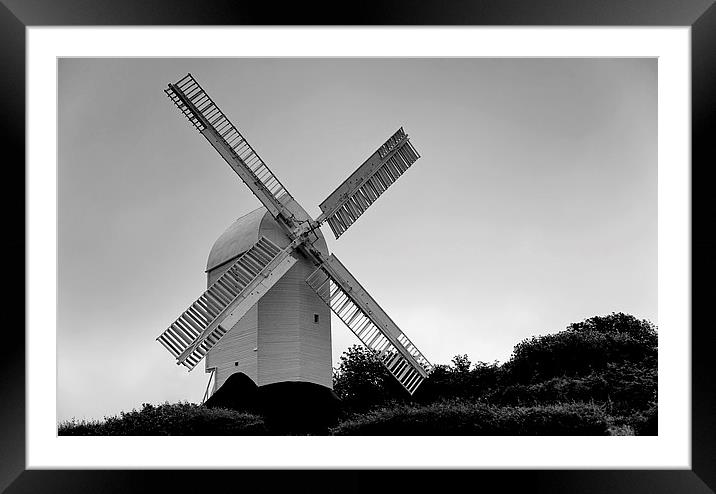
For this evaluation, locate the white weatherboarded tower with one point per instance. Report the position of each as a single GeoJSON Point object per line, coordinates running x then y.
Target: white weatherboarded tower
{"type": "Point", "coordinates": [271, 280]}
{"type": "Point", "coordinates": [294, 339]}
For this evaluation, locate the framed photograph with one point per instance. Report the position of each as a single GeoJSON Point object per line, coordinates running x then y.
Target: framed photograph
{"type": "Point", "coordinates": [551, 164]}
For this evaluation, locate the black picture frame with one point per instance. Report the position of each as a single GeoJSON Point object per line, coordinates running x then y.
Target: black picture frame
{"type": "Point", "coordinates": [700, 15]}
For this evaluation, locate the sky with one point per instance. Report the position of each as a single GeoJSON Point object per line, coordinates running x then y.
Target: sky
{"type": "Point", "coordinates": [533, 205]}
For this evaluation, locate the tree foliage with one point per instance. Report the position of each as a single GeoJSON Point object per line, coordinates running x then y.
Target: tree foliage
{"type": "Point", "coordinates": [608, 360]}
{"type": "Point", "coordinates": [361, 381]}
{"type": "Point", "coordinates": [584, 348]}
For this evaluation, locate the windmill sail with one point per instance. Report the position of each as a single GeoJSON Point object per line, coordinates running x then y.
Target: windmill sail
{"type": "Point", "coordinates": [362, 314]}
{"type": "Point", "coordinates": [205, 115]}
{"type": "Point", "coordinates": [350, 200]}
{"type": "Point", "coordinates": [202, 325]}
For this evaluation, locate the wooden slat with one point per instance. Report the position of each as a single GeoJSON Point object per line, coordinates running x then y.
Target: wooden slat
{"type": "Point", "coordinates": [199, 326]}
{"type": "Point", "coordinates": [364, 317]}
{"type": "Point", "coordinates": [359, 191]}
{"type": "Point", "coordinates": [200, 109]}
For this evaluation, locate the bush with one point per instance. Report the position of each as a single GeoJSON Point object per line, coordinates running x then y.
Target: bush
{"type": "Point", "coordinates": [650, 425]}
{"type": "Point", "coordinates": [609, 359]}
{"type": "Point", "coordinates": [460, 417]}
{"type": "Point", "coordinates": [557, 389]}
{"type": "Point", "coordinates": [624, 388]}
{"type": "Point", "coordinates": [598, 376]}
{"type": "Point", "coordinates": [361, 381]}
{"type": "Point", "coordinates": [584, 348]}
{"type": "Point", "coordinates": [459, 380]}
{"type": "Point", "coordinates": [621, 430]}
{"type": "Point", "coordinates": [645, 423]}
{"type": "Point", "coordinates": [179, 419]}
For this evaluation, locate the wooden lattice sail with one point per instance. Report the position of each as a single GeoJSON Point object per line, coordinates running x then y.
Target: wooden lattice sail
{"type": "Point", "coordinates": [362, 314]}
{"type": "Point", "coordinates": [359, 191]}
{"type": "Point", "coordinates": [207, 320]}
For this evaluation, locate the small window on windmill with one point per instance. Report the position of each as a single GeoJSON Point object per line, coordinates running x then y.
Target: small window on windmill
{"type": "Point", "coordinates": [315, 318]}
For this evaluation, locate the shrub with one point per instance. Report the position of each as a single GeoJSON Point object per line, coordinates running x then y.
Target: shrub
{"type": "Point", "coordinates": [180, 419]}
{"type": "Point", "coordinates": [596, 377]}
{"type": "Point", "coordinates": [650, 425]}
{"type": "Point", "coordinates": [624, 388]}
{"type": "Point", "coordinates": [631, 387]}
{"type": "Point", "coordinates": [584, 348]}
{"type": "Point", "coordinates": [609, 359]}
{"type": "Point", "coordinates": [557, 389]}
{"type": "Point", "coordinates": [621, 430]}
{"type": "Point", "coordinates": [460, 417]}
{"type": "Point", "coordinates": [646, 422]}
{"type": "Point", "coordinates": [459, 380]}
{"type": "Point", "coordinates": [362, 382]}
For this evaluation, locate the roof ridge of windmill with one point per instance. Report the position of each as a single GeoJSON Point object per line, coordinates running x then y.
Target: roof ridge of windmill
{"type": "Point", "coordinates": [271, 282]}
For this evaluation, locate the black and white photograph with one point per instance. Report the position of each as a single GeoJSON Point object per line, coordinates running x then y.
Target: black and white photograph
{"type": "Point", "coordinates": [398, 246]}
{"type": "Point", "coordinates": [348, 246]}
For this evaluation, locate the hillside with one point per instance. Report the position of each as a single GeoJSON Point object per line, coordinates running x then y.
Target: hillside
{"type": "Point", "coordinates": [596, 377]}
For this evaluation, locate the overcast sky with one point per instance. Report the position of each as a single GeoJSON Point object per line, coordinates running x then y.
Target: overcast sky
{"type": "Point", "coordinates": [533, 205]}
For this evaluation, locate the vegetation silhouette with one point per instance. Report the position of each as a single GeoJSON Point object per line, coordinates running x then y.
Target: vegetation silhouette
{"type": "Point", "coordinates": [596, 377]}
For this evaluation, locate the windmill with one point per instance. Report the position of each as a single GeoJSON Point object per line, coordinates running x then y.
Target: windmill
{"type": "Point", "coordinates": [271, 281]}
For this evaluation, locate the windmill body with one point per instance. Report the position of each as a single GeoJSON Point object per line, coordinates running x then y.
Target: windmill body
{"type": "Point", "coordinates": [286, 335]}
{"type": "Point", "coordinates": [271, 280]}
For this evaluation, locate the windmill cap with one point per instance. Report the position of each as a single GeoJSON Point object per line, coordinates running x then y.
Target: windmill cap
{"type": "Point", "coordinates": [245, 232]}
